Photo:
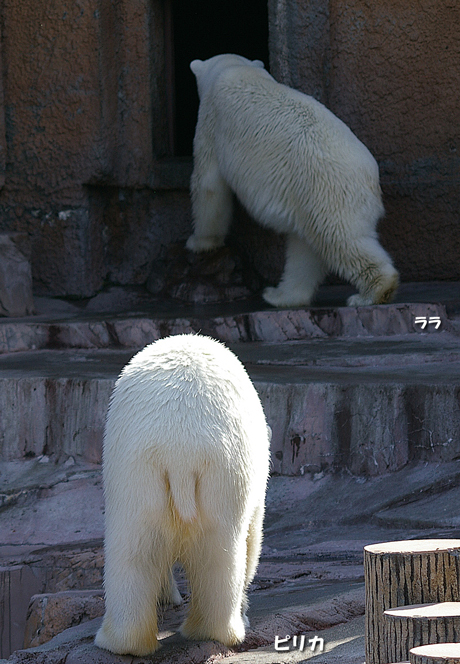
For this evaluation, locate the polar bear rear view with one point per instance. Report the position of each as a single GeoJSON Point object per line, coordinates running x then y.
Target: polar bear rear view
{"type": "Point", "coordinates": [186, 456]}
{"type": "Point", "coordinates": [297, 169]}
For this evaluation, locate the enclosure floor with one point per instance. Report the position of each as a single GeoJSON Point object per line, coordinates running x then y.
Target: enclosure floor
{"type": "Point", "coordinates": [325, 500]}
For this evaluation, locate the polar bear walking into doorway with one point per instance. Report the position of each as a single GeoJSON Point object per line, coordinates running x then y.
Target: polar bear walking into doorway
{"type": "Point", "coordinates": [297, 169]}
{"type": "Point", "coordinates": [186, 457]}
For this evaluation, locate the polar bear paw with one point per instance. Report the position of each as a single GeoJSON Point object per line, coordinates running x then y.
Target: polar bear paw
{"type": "Point", "coordinates": [381, 291]}
{"type": "Point", "coordinates": [359, 301]}
{"type": "Point", "coordinates": [133, 641]}
{"type": "Point", "coordinates": [280, 297]}
{"type": "Point", "coordinates": [198, 244]}
{"type": "Point", "coordinates": [229, 635]}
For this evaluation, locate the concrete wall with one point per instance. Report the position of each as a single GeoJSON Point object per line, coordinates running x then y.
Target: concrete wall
{"type": "Point", "coordinates": [84, 135]}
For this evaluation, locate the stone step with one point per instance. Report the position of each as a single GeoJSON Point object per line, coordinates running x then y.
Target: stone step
{"type": "Point", "coordinates": [92, 330]}
{"type": "Point", "coordinates": [368, 405]}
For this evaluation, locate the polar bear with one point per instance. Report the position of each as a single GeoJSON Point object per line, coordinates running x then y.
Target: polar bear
{"type": "Point", "coordinates": [185, 466]}
{"type": "Point", "coordinates": [297, 169]}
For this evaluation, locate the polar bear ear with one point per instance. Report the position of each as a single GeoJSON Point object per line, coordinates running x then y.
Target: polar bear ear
{"type": "Point", "coordinates": [258, 63]}
{"type": "Point", "coordinates": [196, 66]}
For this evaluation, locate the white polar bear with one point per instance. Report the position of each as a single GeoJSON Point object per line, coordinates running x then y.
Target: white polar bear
{"type": "Point", "coordinates": [186, 459]}
{"type": "Point", "coordinates": [297, 169]}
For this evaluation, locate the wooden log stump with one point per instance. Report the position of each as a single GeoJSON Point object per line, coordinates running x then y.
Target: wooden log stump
{"type": "Point", "coordinates": [437, 653]}
{"type": "Point", "coordinates": [402, 573]}
{"type": "Point", "coordinates": [420, 624]}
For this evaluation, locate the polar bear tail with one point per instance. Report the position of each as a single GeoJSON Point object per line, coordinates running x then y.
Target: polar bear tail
{"type": "Point", "coordinates": [182, 492]}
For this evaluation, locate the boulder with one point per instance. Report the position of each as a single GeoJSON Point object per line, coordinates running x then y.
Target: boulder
{"type": "Point", "coordinates": [51, 613]}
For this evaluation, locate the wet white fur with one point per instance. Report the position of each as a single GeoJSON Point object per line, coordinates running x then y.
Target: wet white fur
{"type": "Point", "coordinates": [186, 454]}
{"type": "Point", "coordinates": [297, 169]}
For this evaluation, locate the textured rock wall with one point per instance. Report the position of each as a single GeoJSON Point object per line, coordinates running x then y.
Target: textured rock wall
{"type": "Point", "coordinates": [83, 130]}
{"type": "Point", "coordinates": [370, 428]}
{"type": "Point", "coordinates": [17, 584]}
{"type": "Point", "coordinates": [81, 121]}
{"type": "Point", "coordinates": [52, 571]}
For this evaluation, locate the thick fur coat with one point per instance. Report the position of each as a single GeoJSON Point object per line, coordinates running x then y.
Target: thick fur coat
{"type": "Point", "coordinates": [297, 169]}
{"type": "Point", "coordinates": [186, 457]}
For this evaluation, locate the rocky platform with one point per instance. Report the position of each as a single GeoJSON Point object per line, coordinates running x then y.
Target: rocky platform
{"type": "Point", "coordinates": [309, 581]}
{"type": "Point", "coordinates": [368, 389]}
{"type": "Point", "coordinates": [351, 394]}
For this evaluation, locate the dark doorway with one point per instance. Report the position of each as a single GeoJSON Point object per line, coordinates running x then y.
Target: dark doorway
{"type": "Point", "coordinates": [201, 29]}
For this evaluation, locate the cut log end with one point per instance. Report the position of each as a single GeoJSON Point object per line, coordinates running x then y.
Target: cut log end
{"type": "Point", "coordinates": [426, 611]}
{"type": "Point", "coordinates": [413, 546]}
{"type": "Point", "coordinates": [407, 627]}
{"type": "Point", "coordinates": [403, 574]}
{"type": "Point", "coordinates": [438, 653]}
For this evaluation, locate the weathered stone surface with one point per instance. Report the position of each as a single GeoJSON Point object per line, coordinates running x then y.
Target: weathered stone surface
{"type": "Point", "coordinates": [45, 569]}
{"type": "Point", "coordinates": [42, 516]}
{"type": "Point", "coordinates": [297, 324]}
{"type": "Point", "coordinates": [51, 614]}
{"type": "Point", "coordinates": [51, 527]}
{"type": "Point", "coordinates": [96, 137]}
{"type": "Point", "coordinates": [315, 529]}
{"type": "Point", "coordinates": [60, 415]}
{"type": "Point", "coordinates": [15, 276]}
{"type": "Point", "coordinates": [17, 584]}
{"type": "Point", "coordinates": [107, 127]}
{"type": "Point", "coordinates": [369, 405]}
{"type": "Point", "coordinates": [215, 276]}
{"type": "Point", "coordinates": [71, 239]}
{"type": "Point", "coordinates": [365, 428]}
{"type": "Point", "coordinates": [75, 644]}
{"type": "Point", "coordinates": [128, 317]}
{"type": "Point", "coordinates": [343, 644]}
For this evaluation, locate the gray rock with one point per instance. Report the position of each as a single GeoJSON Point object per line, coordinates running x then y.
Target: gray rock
{"type": "Point", "coordinates": [76, 644]}
{"type": "Point", "coordinates": [15, 276]}
{"type": "Point", "coordinates": [50, 614]}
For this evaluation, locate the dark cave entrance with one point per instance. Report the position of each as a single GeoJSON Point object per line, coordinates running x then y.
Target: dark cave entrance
{"type": "Point", "coordinates": [201, 29]}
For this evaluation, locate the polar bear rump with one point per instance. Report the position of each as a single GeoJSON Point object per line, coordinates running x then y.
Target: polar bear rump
{"type": "Point", "coordinates": [185, 465]}
{"type": "Point", "coordinates": [297, 169]}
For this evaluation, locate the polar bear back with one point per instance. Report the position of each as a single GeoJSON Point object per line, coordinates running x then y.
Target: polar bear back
{"type": "Point", "coordinates": [186, 408]}
{"type": "Point", "coordinates": [188, 385]}
{"type": "Point", "coordinates": [271, 139]}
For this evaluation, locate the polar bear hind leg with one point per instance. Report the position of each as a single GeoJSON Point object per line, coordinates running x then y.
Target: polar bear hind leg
{"type": "Point", "coordinates": [363, 262]}
{"type": "Point", "coordinates": [303, 272]}
{"type": "Point", "coordinates": [253, 549]}
{"type": "Point", "coordinates": [212, 205]}
{"type": "Point", "coordinates": [254, 543]}
{"type": "Point", "coordinates": [366, 264]}
{"type": "Point", "coordinates": [137, 570]}
{"type": "Point", "coordinates": [216, 572]}
{"type": "Point", "coordinates": [132, 590]}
